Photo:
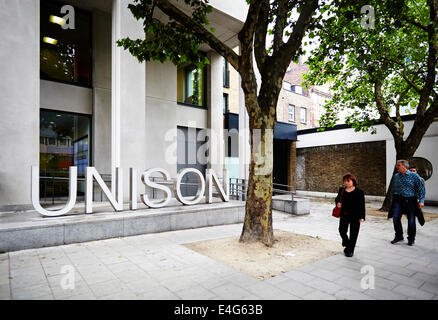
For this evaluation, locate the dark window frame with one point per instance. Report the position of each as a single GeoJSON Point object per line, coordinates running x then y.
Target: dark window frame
{"type": "Point", "coordinates": [205, 77]}
{"type": "Point", "coordinates": [90, 15]}
{"type": "Point", "coordinates": [90, 136]}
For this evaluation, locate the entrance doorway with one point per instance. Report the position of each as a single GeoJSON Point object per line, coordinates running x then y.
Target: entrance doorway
{"type": "Point", "coordinates": [281, 163]}
{"type": "Point", "coordinates": [190, 156]}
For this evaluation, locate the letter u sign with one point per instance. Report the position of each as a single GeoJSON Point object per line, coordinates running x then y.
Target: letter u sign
{"type": "Point", "coordinates": [35, 193]}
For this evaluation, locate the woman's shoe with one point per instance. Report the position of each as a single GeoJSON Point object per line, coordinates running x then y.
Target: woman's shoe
{"type": "Point", "coordinates": [348, 253]}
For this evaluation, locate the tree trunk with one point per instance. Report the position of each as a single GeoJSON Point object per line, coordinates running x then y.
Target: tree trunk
{"type": "Point", "coordinates": [258, 210]}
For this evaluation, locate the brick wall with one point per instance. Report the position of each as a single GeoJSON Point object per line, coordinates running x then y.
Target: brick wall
{"type": "Point", "coordinates": [321, 168]}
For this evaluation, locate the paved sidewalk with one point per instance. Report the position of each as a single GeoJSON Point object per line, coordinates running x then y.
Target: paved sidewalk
{"type": "Point", "coordinates": [157, 266]}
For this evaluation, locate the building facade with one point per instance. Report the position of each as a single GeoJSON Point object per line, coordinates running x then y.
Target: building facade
{"type": "Point", "coordinates": [298, 105]}
{"type": "Point", "coordinates": [74, 98]}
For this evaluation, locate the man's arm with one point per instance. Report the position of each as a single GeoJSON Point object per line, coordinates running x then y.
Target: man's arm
{"type": "Point", "coordinates": [421, 190]}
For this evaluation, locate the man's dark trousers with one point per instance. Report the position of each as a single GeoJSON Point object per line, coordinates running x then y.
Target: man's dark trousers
{"type": "Point", "coordinates": [354, 223]}
{"type": "Point", "coordinates": [404, 205]}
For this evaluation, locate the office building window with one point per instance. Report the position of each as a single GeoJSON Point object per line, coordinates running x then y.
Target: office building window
{"type": "Point", "coordinates": [303, 114]}
{"type": "Point", "coordinates": [64, 142]}
{"type": "Point", "coordinates": [191, 84]}
{"type": "Point", "coordinates": [226, 74]}
{"type": "Point", "coordinates": [65, 53]}
{"type": "Point", "coordinates": [225, 103]}
{"type": "Point", "coordinates": [297, 89]}
{"type": "Point", "coordinates": [291, 113]}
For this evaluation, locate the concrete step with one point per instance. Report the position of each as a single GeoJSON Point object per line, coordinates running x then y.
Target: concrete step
{"type": "Point", "coordinates": [27, 230]}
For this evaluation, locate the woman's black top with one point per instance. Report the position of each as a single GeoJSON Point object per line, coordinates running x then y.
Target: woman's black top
{"type": "Point", "coordinates": [353, 203]}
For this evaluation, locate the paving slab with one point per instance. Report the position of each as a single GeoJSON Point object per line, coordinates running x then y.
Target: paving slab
{"type": "Point", "coordinates": [159, 266]}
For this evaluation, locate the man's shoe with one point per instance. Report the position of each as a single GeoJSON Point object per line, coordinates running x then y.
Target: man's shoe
{"type": "Point", "coordinates": [396, 240]}
{"type": "Point", "coordinates": [411, 242]}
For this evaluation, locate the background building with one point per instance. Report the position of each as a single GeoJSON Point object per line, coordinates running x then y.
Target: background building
{"type": "Point", "coordinates": [298, 105]}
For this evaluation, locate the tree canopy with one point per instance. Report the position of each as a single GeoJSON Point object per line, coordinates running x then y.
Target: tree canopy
{"type": "Point", "coordinates": [381, 60]}
{"type": "Point", "coordinates": [378, 71]}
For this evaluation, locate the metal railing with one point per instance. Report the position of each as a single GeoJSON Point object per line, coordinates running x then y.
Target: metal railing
{"type": "Point", "coordinates": [55, 189]}
{"type": "Point", "coordinates": [239, 189]}
{"type": "Point", "coordinates": [290, 190]}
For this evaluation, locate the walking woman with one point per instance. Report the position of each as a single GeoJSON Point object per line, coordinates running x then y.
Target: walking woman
{"type": "Point", "coordinates": [351, 200]}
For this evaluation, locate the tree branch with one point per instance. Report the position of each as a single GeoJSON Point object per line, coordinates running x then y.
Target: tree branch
{"type": "Point", "coordinates": [246, 34]}
{"type": "Point", "coordinates": [384, 114]}
{"type": "Point", "coordinates": [431, 59]}
{"type": "Point", "coordinates": [405, 74]}
{"type": "Point", "coordinates": [189, 23]}
{"type": "Point", "coordinates": [288, 50]}
{"type": "Point", "coordinates": [416, 23]}
{"type": "Point", "coordinates": [260, 35]}
{"type": "Point", "coordinates": [280, 23]}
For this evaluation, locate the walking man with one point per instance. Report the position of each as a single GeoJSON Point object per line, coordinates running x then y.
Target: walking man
{"type": "Point", "coordinates": [407, 192]}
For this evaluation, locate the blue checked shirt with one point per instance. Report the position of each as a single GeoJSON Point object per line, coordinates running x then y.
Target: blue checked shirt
{"type": "Point", "coordinates": [408, 185]}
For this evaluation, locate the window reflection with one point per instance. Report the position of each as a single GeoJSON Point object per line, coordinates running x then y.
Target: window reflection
{"type": "Point", "coordinates": [424, 167]}
{"type": "Point", "coordinates": [65, 55]}
{"type": "Point", "coordinates": [191, 85]}
{"type": "Point", "coordinates": [64, 142]}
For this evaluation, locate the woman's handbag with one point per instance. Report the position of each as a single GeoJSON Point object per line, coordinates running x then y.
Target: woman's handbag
{"type": "Point", "coordinates": [337, 211]}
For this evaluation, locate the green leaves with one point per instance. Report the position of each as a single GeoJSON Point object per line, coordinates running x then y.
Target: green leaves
{"type": "Point", "coordinates": [167, 41]}
{"type": "Point", "coordinates": [354, 58]}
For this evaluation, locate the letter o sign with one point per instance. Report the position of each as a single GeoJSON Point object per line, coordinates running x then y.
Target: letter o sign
{"type": "Point", "coordinates": [201, 190]}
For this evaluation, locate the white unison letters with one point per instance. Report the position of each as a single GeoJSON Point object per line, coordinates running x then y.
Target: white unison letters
{"type": "Point", "coordinates": [116, 200]}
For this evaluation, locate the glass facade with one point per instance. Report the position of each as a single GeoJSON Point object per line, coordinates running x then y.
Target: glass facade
{"type": "Point", "coordinates": [65, 46]}
{"type": "Point", "coordinates": [64, 142]}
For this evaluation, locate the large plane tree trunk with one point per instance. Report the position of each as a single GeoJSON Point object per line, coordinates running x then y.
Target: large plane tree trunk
{"type": "Point", "coordinates": [258, 210]}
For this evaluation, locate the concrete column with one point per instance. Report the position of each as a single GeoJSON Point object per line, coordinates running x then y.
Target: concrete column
{"type": "Point", "coordinates": [102, 91]}
{"type": "Point", "coordinates": [19, 100]}
{"type": "Point", "coordinates": [244, 138]}
{"type": "Point", "coordinates": [128, 97]}
{"type": "Point", "coordinates": [215, 114]}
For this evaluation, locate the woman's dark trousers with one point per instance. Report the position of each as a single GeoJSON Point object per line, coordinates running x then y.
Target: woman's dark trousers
{"type": "Point", "coordinates": [344, 223]}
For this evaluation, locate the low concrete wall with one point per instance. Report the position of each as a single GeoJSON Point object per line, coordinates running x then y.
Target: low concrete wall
{"type": "Point", "coordinates": [33, 231]}
{"type": "Point", "coordinates": [297, 206]}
